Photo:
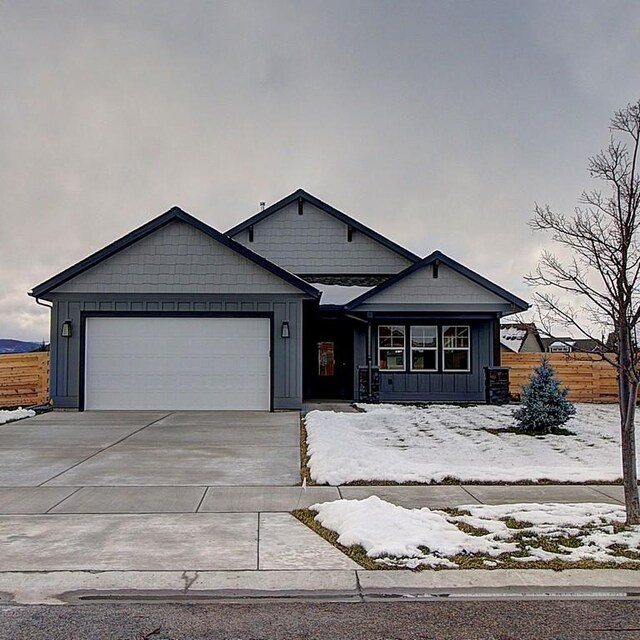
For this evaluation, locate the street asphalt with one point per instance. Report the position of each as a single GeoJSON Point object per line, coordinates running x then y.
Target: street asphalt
{"type": "Point", "coordinates": [459, 620]}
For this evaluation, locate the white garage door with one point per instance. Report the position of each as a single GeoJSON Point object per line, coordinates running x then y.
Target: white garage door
{"type": "Point", "coordinates": [177, 363]}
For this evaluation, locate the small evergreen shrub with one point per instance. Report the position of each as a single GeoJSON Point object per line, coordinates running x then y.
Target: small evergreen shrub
{"type": "Point", "coordinates": [545, 407]}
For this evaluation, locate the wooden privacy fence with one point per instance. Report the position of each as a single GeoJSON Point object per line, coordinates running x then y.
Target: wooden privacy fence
{"type": "Point", "coordinates": [24, 379]}
{"type": "Point", "coordinates": [589, 378]}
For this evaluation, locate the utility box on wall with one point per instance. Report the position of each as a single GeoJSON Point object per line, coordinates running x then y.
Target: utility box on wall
{"type": "Point", "coordinates": [496, 385]}
{"type": "Point", "coordinates": [366, 392]}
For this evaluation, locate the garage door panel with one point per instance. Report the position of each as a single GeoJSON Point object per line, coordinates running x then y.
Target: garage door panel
{"type": "Point", "coordinates": [177, 363]}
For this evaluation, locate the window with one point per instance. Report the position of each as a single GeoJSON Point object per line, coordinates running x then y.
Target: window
{"type": "Point", "coordinates": [424, 348]}
{"type": "Point", "coordinates": [455, 348]}
{"type": "Point", "coordinates": [391, 348]}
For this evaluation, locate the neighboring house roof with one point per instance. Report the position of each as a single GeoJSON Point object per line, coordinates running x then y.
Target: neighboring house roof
{"type": "Point", "coordinates": [323, 206]}
{"type": "Point", "coordinates": [440, 258]}
{"type": "Point", "coordinates": [514, 335]}
{"type": "Point", "coordinates": [574, 344]}
{"type": "Point", "coordinates": [173, 214]}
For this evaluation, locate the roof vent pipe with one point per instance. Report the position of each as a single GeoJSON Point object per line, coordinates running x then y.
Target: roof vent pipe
{"type": "Point", "coordinates": [262, 205]}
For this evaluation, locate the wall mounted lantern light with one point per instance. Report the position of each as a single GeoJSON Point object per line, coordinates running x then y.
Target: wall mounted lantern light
{"type": "Point", "coordinates": [284, 330]}
{"type": "Point", "coordinates": [66, 331]}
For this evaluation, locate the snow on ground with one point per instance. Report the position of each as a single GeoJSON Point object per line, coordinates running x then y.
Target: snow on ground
{"type": "Point", "coordinates": [16, 414]}
{"type": "Point", "coordinates": [438, 442]}
{"type": "Point", "coordinates": [400, 537]}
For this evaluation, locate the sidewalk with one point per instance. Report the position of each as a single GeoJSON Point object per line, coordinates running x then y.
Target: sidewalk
{"type": "Point", "coordinates": [80, 587]}
{"type": "Point", "coordinates": [91, 543]}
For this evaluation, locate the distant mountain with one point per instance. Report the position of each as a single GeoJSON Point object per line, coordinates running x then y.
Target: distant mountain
{"type": "Point", "coordinates": [18, 346]}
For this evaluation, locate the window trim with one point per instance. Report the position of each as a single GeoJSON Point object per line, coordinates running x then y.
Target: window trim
{"type": "Point", "coordinates": [467, 349]}
{"type": "Point", "coordinates": [412, 348]}
{"type": "Point", "coordinates": [404, 347]}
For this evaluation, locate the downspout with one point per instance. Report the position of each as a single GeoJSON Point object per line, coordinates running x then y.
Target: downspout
{"type": "Point", "coordinates": [42, 304]}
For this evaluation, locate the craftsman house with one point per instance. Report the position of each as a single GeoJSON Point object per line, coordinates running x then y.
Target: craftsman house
{"type": "Point", "coordinates": [299, 301]}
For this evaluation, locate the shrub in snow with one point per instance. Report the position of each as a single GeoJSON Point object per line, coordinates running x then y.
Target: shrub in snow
{"type": "Point", "coordinates": [545, 407]}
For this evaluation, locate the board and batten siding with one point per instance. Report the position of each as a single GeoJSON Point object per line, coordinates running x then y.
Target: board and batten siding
{"type": "Point", "coordinates": [407, 386]}
{"type": "Point", "coordinates": [287, 353]}
{"type": "Point", "coordinates": [316, 243]}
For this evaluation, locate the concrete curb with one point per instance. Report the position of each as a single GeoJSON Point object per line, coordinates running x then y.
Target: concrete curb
{"type": "Point", "coordinates": [78, 587]}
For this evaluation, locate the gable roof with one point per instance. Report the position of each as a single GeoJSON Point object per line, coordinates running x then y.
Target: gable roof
{"type": "Point", "coordinates": [513, 335]}
{"type": "Point", "coordinates": [175, 213]}
{"type": "Point", "coordinates": [323, 206]}
{"type": "Point", "coordinates": [449, 262]}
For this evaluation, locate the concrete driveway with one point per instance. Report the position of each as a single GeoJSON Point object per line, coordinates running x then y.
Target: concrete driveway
{"type": "Point", "coordinates": [150, 448]}
{"type": "Point", "coordinates": [145, 490]}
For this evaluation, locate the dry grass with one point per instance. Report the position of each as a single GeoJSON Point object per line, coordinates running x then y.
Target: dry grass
{"type": "Point", "coordinates": [304, 456]}
{"type": "Point", "coordinates": [356, 552]}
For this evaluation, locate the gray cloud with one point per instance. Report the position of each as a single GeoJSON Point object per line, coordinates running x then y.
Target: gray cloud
{"type": "Point", "coordinates": [438, 124]}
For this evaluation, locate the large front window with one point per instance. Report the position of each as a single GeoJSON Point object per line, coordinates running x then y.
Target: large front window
{"type": "Point", "coordinates": [455, 348]}
{"type": "Point", "coordinates": [424, 348]}
{"type": "Point", "coordinates": [391, 346]}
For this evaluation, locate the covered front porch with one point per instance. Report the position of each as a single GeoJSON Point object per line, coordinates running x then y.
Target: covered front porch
{"type": "Point", "coordinates": [399, 357]}
{"type": "Point", "coordinates": [428, 334]}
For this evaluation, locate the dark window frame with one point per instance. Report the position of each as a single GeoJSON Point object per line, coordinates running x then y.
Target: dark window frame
{"type": "Point", "coordinates": [440, 348]}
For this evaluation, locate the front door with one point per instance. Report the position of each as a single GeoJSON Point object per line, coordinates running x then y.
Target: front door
{"type": "Point", "coordinates": [329, 360]}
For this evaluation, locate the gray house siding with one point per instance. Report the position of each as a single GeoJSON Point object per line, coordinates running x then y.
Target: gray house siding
{"type": "Point", "coordinates": [65, 352]}
{"type": "Point", "coordinates": [449, 288]}
{"type": "Point", "coordinates": [177, 258]}
{"type": "Point", "coordinates": [317, 243]}
{"type": "Point", "coordinates": [409, 386]}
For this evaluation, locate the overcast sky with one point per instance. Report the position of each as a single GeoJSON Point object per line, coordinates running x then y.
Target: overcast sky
{"type": "Point", "coordinates": [439, 124]}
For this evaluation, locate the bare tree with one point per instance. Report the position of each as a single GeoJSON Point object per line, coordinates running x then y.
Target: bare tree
{"type": "Point", "coordinates": [603, 273]}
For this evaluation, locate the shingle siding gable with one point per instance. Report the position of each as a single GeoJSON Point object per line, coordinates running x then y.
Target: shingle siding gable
{"type": "Point", "coordinates": [316, 243]}
{"type": "Point", "coordinates": [449, 287]}
{"type": "Point", "coordinates": [177, 258]}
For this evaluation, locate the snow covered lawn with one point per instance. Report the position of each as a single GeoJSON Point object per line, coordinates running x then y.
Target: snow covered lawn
{"type": "Point", "coordinates": [16, 414]}
{"type": "Point", "coordinates": [467, 444]}
{"type": "Point", "coordinates": [481, 536]}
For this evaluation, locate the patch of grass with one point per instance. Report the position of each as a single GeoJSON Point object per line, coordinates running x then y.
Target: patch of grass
{"type": "Point", "coordinates": [356, 552]}
{"type": "Point", "coordinates": [512, 523]}
{"type": "Point", "coordinates": [456, 511]}
{"type": "Point", "coordinates": [304, 455]}
{"type": "Point", "coordinates": [471, 530]}
{"type": "Point", "coordinates": [624, 552]}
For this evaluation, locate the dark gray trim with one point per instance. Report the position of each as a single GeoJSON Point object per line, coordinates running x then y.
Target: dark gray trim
{"type": "Point", "coordinates": [171, 314]}
{"type": "Point", "coordinates": [302, 195]}
{"type": "Point", "coordinates": [174, 213]}
{"type": "Point", "coordinates": [456, 266]}
{"type": "Point", "coordinates": [487, 309]}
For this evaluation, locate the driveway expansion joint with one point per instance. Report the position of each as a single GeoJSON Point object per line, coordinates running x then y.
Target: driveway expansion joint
{"type": "Point", "coordinates": [113, 444]}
